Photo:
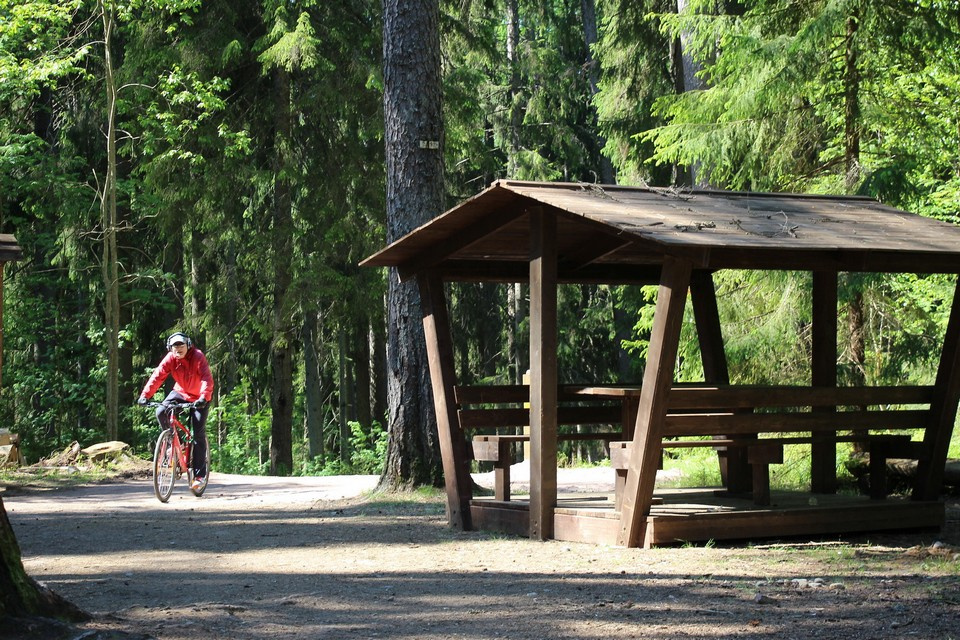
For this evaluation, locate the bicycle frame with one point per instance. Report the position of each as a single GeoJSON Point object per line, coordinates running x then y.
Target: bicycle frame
{"type": "Point", "coordinates": [182, 441]}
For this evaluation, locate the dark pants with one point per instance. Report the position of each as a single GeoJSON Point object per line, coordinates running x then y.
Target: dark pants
{"type": "Point", "coordinates": [198, 418]}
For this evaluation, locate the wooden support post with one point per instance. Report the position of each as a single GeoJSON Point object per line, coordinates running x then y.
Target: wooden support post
{"type": "Point", "coordinates": [654, 394]}
{"type": "Point", "coordinates": [501, 471]}
{"type": "Point", "coordinates": [760, 457]}
{"type": "Point", "coordinates": [2, 266]}
{"type": "Point", "coordinates": [734, 470]}
{"type": "Point", "coordinates": [879, 451]}
{"type": "Point", "coordinates": [823, 451]}
{"type": "Point", "coordinates": [943, 411]}
{"type": "Point", "coordinates": [453, 448]}
{"type": "Point", "coordinates": [543, 373]}
{"type": "Point", "coordinates": [500, 453]}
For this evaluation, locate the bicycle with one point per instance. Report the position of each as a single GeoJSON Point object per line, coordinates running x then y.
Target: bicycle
{"type": "Point", "coordinates": [173, 453]}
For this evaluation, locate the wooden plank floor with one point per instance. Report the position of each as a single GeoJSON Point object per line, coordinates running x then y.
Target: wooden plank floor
{"type": "Point", "coordinates": [700, 515]}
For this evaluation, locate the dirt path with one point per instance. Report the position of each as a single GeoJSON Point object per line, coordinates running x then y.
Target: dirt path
{"type": "Point", "coordinates": [316, 558]}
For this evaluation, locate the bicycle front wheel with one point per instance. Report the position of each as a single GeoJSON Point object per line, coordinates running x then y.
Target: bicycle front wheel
{"type": "Point", "coordinates": [164, 466]}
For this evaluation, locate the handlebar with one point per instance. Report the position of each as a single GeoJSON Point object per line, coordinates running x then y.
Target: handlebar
{"type": "Point", "coordinates": [170, 405]}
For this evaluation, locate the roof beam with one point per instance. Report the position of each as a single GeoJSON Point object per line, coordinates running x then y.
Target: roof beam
{"type": "Point", "coordinates": [832, 260]}
{"type": "Point", "coordinates": [593, 248]}
{"type": "Point", "coordinates": [482, 271]}
{"type": "Point", "coordinates": [463, 238]}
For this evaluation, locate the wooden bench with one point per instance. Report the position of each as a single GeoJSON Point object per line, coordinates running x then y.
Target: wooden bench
{"type": "Point", "coordinates": [787, 415]}
{"type": "Point", "coordinates": [762, 452]}
{"type": "Point", "coordinates": [498, 449]}
{"type": "Point", "coordinates": [500, 407]}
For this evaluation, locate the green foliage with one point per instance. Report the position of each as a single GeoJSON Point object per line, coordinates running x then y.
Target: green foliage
{"type": "Point", "coordinates": [781, 102]}
{"type": "Point", "coordinates": [242, 450]}
{"type": "Point", "coordinates": [368, 449]}
{"type": "Point", "coordinates": [692, 467]}
{"type": "Point", "coordinates": [634, 56]}
{"type": "Point", "coordinates": [525, 115]}
{"type": "Point", "coordinates": [293, 49]}
{"type": "Point", "coordinates": [766, 317]}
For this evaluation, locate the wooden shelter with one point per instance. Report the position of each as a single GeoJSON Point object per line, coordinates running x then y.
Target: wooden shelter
{"type": "Point", "coordinates": [551, 233]}
{"type": "Point", "coordinates": [9, 252]}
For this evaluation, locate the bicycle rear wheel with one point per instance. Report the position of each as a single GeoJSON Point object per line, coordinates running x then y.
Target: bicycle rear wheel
{"type": "Point", "coordinates": [164, 466]}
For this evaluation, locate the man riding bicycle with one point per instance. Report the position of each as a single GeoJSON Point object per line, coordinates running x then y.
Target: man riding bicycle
{"type": "Point", "coordinates": [193, 383]}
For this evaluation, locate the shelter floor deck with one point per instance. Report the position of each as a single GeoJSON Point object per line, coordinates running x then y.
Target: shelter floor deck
{"type": "Point", "coordinates": [698, 515]}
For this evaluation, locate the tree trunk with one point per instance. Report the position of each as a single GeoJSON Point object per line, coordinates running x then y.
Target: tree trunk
{"type": "Point", "coordinates": [108, 218]}
{"type": "Point", "coordinates": [851, 118]}
{"type": "Point", "coordinates": [281, 347]}
{"type": "Point", "coordinates": [489, 330]}
{"type": "Point", "coordinates": [517, 311]}
{"type": "Point", "coordinates": [414, 155]}
{"type": "Point", "coordinates": [226, 373]}
{"type": "Point", "coordinates": [128, 387]}
{"type": "Point", "coordinates": [379, 375]}
{"type": "Point", "coordinates": [589, 13]}
{"type": "Point", "coordinates": [623, 330]}
{"type": "Point", "coordinates": [20, 595]}
{"type": "Point", "coordinates": [851, 126]}
{"type": "Point", "coordinates": [515, 106]}
{"type": "Point", "coordinates": [313, 392]}
{"type": "Point", "coordinates": [343, 398]}
{"type": "Point", "coordinates": [688, 80]}
{"type": "Point", "coordinates": [361, 367]}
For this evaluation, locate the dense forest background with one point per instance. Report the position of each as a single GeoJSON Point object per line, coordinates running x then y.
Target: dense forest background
{"type": "Point", "coordinates": [217, 167]}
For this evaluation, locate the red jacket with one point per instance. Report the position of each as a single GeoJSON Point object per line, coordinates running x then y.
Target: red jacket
{"type": "Point", "coordinates": [191, 375]}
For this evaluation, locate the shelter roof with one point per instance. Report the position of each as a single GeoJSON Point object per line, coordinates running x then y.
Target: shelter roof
{"type": "Point", "coordinates": [9, 249]}
{"type": "Point", "coordinates": [611, 234]}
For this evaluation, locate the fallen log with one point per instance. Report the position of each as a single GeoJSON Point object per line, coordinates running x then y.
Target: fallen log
{"type": "Point", "coordinates": [105, 450]}
{"type": "Point", "coordinates": [900, 472]}
{"type": "Point", "coordinates": [65, 458]}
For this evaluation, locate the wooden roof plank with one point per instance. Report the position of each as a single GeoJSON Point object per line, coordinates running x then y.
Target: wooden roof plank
{"type": "Point", "coordinates": [712, 229]}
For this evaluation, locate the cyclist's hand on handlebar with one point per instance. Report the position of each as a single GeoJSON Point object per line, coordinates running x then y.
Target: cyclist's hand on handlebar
{"type": "Point", "coordinates": [142, 401]}
{"type": "Point", "coordinates": [200, 403]}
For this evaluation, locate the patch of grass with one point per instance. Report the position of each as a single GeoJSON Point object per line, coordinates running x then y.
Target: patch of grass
{"type": "Point", "coordinates": [580, 463]}
{"type": "Point", "coordinates": [709, 544]}
{"type": "Point", "coordinates": [954, 450]}
{"type": "Point", "coordinates": [420, 501]}
{"type": "Point", "coordinates": [84, 472]}
{"type": "Point", "coordinates": [699, 467]}
{"type": "Point", "coordinates": [694, 467]}
{"type": "Point", "coordinates": [44, 478]}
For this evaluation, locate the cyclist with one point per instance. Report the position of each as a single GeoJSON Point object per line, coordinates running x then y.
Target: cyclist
{"type": "Point", "coordinates": [193, 383]}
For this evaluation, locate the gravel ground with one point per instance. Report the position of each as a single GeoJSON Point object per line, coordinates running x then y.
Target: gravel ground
{"type": "Point", "coordinates": [322, 558]}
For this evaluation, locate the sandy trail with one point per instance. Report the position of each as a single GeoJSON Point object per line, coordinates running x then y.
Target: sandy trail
{"type": "Point", "coordinates": [297, 558]}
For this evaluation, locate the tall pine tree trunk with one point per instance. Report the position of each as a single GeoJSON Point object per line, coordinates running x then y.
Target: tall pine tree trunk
{"type": "Point", "coordinates": [588, 9]}
{"type": "Point", "coordinates": [345, 397]}
{"type": "Point", "coordinates": [361, 367]}
{"type": "Point", "coordinates": [313, 383]}
{"type": "Point", "coordinates": [379, 375]}
{"type": "Point", "coordinates": [688, 79]}
{"type": "Point", "coordinates": [414, 155]}
{"type": "Point", "coordinates": [226, 373]}
{"type": "Point", "coordinates": [282, 345]}
{"type": "Point", "coordinates": [515, 303]}
{"type": "Point", "coordinates": [514, 95]}
{"type": "Point", "coordinates": [851, 95]}
{"type": "Point", "coordinates": [851, 121]}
